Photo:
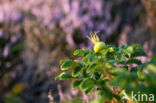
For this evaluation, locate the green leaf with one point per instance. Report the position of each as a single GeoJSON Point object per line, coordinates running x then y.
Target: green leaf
{"type": "Point", "coordinates": [64, 75]}
{"type": "Point", "coordinates": [89, 90]}
{"type": "Point", "coordinates": [87, 83]}
{"type": "Point", "coordinates": [130, 49]}
{"type": "Point", "coordinates": [68, 64]}
{"type": "Point", "coordinates": [76, 70]}
{"type": "Point", "coordinates": [82, 52]}
{"type": "Point", "coordinates": [132, 61]}
{"type": "Point", "coordinates": [151, 67]}
{"type": "Point", "coordinates": [111, 49]}
{"type": "Point", "coordinates": [153, 58]}
{"type": "Point", "coordinates": [138, 51]}
{"type": "Point", "coordinates": [79, 76]}
{"type": "Point", "coordinates": [85, 74]}
{"type": "Point", "coordinates": [94, 68]}
{"type": "Point", "coordinates": [123, 46]}
{"type": "Point", "coordinates": [105, 93]}
{"type": "Point", "coordinates": [141, 75]}
{"type": "Point", "coordinates": [97, 75]}
{"type": "Point", "coordinates": [88, 59]}
{"type": "Point", "coordinates": [139, 67]}
{"type": "Point", "coordinates": [100, 99]}
{"type": "Point", "coordinates": [62, 61]}
{"type": "Point", "coordinates": [76, 83]}
{"type": "Point", "coordinates": [92, 58]}
{"type": "Point", "coordinates": [127, 79]}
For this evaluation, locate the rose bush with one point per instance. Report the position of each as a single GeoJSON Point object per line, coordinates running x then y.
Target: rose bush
{"type": "Point", "coordinates": [111, 71]}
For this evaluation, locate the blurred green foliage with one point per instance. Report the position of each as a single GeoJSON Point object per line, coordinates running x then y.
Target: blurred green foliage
{"type": "Point", "coordinates": [12, 98]}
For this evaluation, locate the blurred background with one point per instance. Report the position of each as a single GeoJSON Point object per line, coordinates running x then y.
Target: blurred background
{"type": "Point", "coordinates": [36, 34]}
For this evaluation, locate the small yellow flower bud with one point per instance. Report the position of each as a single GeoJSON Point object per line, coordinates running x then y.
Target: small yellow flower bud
{"type": "Point", "coordinates": [99, 46]}
{"type": "Point", "coordinates": [96, 41]}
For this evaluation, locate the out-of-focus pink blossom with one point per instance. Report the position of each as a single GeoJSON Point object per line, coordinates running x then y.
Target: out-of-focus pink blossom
{"type": "Point", "coordinates": [6, 51]}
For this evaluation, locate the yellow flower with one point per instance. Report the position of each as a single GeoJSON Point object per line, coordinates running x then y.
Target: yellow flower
{"type": "Point", "coordinates": [96, 41]}
{"type": "Point", "coordinates": [93, 37]}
